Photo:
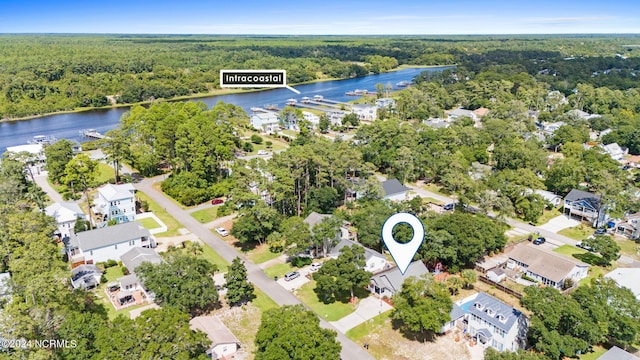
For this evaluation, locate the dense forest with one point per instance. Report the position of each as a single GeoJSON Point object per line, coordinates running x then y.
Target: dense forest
{"type": "Point", "coordinates": [48, 73]}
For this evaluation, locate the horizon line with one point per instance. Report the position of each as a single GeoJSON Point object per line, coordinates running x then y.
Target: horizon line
{"type": "Point", "coordinates": [341, 35]}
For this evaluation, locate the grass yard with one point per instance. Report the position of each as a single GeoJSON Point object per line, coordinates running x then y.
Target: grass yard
{"type": "Point", "coordinates": [278, 270]}
{"type": "Point", "coordinates": [262, 301]}
{"type": "Point", "coordinates": [213, 257]}
{"type": "Point", "coordinates": [359, 332]}
{"type": "Point", "coordinates": [427, 200]}
{"type": "Point", "coordinates": [205, 215]}
{"type": "Point", "coordinates": [172, 224]}
{"type": "Point", "coordinates": [548, 215]}
{"type": "Point", "coordinates": [594, 272]}
{"type": "Point", "coordinates": [330, 312]}
{"type": "Point", "coordinates": [628, 247]}
{"type": "Point", "coordinates": [569, 250]}
{"type": "Point", "coordinates": [149, 223]}
{"type": "Point", "coordinates": [105, 174]}
{"type": "Point", "coordinates": [261, 254]}
{"type": "Point", "coordinates": [434, 188]}
{"type": "Point", "coordinates": [579, 232]}
{"type": "Point", "coordinates": [597, 352]}
{"type": "Point", "coordinates": [112, 274]}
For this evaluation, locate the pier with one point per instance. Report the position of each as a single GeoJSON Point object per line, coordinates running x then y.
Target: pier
{"type": "Point", "coordinates": [92, 134]}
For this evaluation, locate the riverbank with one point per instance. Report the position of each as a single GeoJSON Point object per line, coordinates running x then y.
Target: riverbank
{"type": "Point", "coordinates": [215, 92]}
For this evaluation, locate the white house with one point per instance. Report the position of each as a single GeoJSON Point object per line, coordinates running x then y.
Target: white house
{"type": "Point", "coordinates": [389, 282]}
{"type": "Point", "coordinates": [312, 118]}
{"type": "Point", "coordinates": [365, 112]}
{"type": "Point", "coordinates": [85, 277]}
{"type": "Point", "coordinates": [628, 278]}
{"type": "Point", "coordinates": [496, 275]}
{"type": "Point", "coordinates": [375, 262]}
{"type": "Point", "coordinates": [494, 323]}
{"type": "Point", "coordinates": [394, 191]}
{"type": "Point", "coordinates": [107, 243]}
{"type": "Point", "coordinates": [116, 202]}
{"type": "Point", "coordinates": [584, 206]}
{"type": "Point", "coordinates": [549, 197]}
{"type": "Point", "coordinates": [35, 150]}
{"type": "Point", "coordinates": [387, 103]}
{"type": "Point", "coordinates": [266, 122]}
{"type": "Point", "coordinates": [553, 127]}
{"type": "Point", "coordinates": [66, 214]}
{"type": "Point", "coordinates": [336, 116]}
{"type": "Point", "coordinates": [223, 343]}
{"type": "Point", "coordinates": [630, 227]}
{"type": "Point", "coordinates": [460, 113]}
{"type": "Point", "coordinates": [615, 151]}
{"type": "Point", "coordinates": [549, 268]}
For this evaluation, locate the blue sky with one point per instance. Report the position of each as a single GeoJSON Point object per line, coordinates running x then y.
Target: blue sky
{"type": "Point", "coordinates": [320, 17]}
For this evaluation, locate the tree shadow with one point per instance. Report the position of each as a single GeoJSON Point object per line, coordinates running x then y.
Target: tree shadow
{"type": "Point", "coordinates": [207, 309]}
{"type": "Point", "coordinates": [591, 259]}
{"type": "Point", "coordinates": [245, 247]}
{"type": "Point", "coordinates": [424, 336]}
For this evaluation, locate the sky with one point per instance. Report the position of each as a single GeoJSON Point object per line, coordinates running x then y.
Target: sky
{"type": "Point", "coordinates": [321, 17]}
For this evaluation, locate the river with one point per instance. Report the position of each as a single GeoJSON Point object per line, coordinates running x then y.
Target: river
{"type": "Point", "coordinates": [68, 126]}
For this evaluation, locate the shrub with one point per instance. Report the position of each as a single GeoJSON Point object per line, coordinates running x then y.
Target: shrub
{"type": "Point", "coordinates": [124, 269]}
{"type": "Point", "coordinates": [256, 139]}
{"type": "Point", "coordinates": [269, 144]}
{"type": "Point", "coordinates": [110, 263]}
{"type": "Point", "coordinates": [247, 147]}
{"type": "Point", "coordinates": [300, 261]}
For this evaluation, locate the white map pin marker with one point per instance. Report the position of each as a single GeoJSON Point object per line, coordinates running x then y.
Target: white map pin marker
{"type": "Point", "coordinates": [403, 253]}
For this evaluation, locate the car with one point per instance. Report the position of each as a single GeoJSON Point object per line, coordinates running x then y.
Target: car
{"type": "Point", "coordinates": [222, 231]}
{"type": "Point", "coordinates": [291, 275]}
{"type": "Point", "coordinates": [217, 201]}
{"type": "Point", "coordinates": [539, 241]}
{"type": "Point", "coordinates": [449, 206]}
{"type": "Point", "coordinates": [263, 152]}
{"type": "Point", "coordinates": [582, 246]}
{"type": "Point", "coordinates": [315, 266]}
{"type": "Point", "coordinates": [600, 231]}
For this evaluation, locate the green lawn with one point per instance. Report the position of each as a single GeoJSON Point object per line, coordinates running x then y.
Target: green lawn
{"type": "Point", "coordinates": [113, 273]}
{"type": "Point", "coordinates": [262, 301]}
{"type": "Point", "coordinates": [105, 174]}
{"type": "Point", "coordinates": [261, 254]}
{"type": "Point", "coordinates": [364, 329]}
{"type": "Point", "coordinates": [213, 257]}
{"type": "Point", "coordinates": [579, 232]}
{"type": "Point", "coordinates": [278, 270]}
{"type": "Point", "coordinates": [172, 224]}
{"type": "Point", "coordinates": [434, 188]}
{"type": "Point", "coordinates": [206, 215]}
{"type": "Point", "coordinates": [548, 215]}
{"type": "Point", "coordinates": [329, 312]}
{"type": "Point", "coordinates": [628, 247]}
{"type": "Point", "coordinates": [569, 250]}
{"type": "Point", "coordinates": [431, 200]}
{"type": "Point", "coordinates": [149, 223]}
{"type": "Point", "coordinates": [597, 352]}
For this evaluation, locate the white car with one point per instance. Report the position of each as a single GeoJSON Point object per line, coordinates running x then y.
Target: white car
{"type": "Point", "coordinates": [263, 152]}
{"type": "Point", "coordinates": [315, 266]}
{"type": "Point", "coordinates": [222, 231]}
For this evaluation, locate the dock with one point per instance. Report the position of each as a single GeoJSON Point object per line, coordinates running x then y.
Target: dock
{"type": "Point", "coordinates": [92, 133]}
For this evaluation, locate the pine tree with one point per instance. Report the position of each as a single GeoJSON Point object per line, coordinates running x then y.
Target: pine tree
{"type": "Point", "coordinates": [239, 290]}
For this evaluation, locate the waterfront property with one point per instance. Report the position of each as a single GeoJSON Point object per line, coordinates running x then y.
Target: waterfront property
{"type": "Point", "coordinates": [266, 122]}
{"type": "Point", "coordinates": [116, 202]}
{"type": "Point", "coordinates": [365, 112]}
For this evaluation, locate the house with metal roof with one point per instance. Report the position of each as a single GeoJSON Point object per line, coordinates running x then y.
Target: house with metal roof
{"type": "Point", "coordinates": [66, 214]}
{"type": "Point", "coordinates": [628, 278]}
{"type": "Point", "coordinates": [85, 277]}
{"type": "Point", "coordinates": [116, 202]}
{"type": "Point", "coordinates": [394, 190]}
{"type": "Point", "coordinates": [547, 267]}
{"type": "Point", "coordinates": [375, 262]}
{"type": "Point", "coordinates": [110, 242]}
{"type": "Point", "coordinates": [615, 353]}
{"type": "Point", "coordinates": [223, 342]}
{"type": "Point", "coordinates": [266, 122]}
{"type": "Point", "coordinates": [389, 282]}
{"type": "Point", "coordinates": [584, 206]}
{"type": "Point", "coordinates": [132, 259]}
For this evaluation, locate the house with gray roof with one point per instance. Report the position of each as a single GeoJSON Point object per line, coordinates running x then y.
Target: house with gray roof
{"type": "Point", "coordinates": [389, 282]}
{"type": "Point", "coordinates": [547, 267]}
{"type": "Point", "coordinates": [66, 214]}
{"type": "Point", "coordinates": [375, 262]}
{"type": "Point", "coordinates": [116, 202]}
{"type": "Point", "coordinates": [394, 190]}
{"type": "Point", "coordinates": [85, 277]}
{"type": "Point", "coordinates": [494, 323]}
{"type": "Point", "coordinates": [628, 278]}
{"type": "Point", "coordinates": [584, 206]}
{"type": "Point", "coordinates": [615, 353]}
{"type": "Point", "coordinates": [223, 342]}
{"type": "Point", "coordinates": [110, 242]}
{"type": "Point", "coordinates": [132, 259]}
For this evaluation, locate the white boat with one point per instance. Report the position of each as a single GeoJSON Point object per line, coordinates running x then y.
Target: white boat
{"type": "Point", "coordinates": [42, 139]}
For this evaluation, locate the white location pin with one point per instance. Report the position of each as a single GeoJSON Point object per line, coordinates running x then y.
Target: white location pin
{"type": "Point", "coordinates": [403, 253]}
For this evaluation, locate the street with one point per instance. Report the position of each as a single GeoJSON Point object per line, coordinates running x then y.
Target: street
{"type": "Point", "coordinates": [281, 296]}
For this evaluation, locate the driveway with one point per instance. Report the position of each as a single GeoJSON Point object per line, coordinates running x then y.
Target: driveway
{"type": "Point", "coordinates": [295, 283]}
{"type": "Point", "coordinates": [368, 308]}
{"type": "Point", "coordinates": [41, 180]}
{"type": "Point", "coordinates": [559, 223]}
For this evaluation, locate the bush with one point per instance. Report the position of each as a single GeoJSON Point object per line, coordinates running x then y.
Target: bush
{"type": "Point", "coordinates": [256, 139]}
{"type": "Point", "coordinates": [300, 261]}
{"type": "Point", "coordinates": [247, 147]}
{"type": "Point", "coordinates": [225, 209]}
{"type": "Point", "coordinates": [124, 269]}
{"type": "Point", "coordinates": [269, 144]}
{"type": "Point", "coordinates": [110, 263]}
{"type": "Point", "coordinates": [187, 188]}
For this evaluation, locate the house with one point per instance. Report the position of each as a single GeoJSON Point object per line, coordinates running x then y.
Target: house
{"type": "Point", "coordinates": [223, 343]}
{"type": "Point", "coordinates": [35, 150]}
{"type": "Point", "coordinates": [85, 277]}
{"type": "Point", "coordinates": [365, 112]}
{"type": "Point", "coordinates": [131, 260]}
{"type": "Point", "coordinates": [630, 227]}
{"type": "Point", "coordinates": [312, 118]}
{"type": "Point", "coordinates": [315, 218]}
{"type": "Point", "coordinates": [387, 103]}
{"type": "Point", "coordinates": [549, 268]}
{"type": "Point", "coordinates": [481, 112]}
{"type": "Point", "coordinates": [66, 214]}
{"type": "Point", "coordinates": [336, 116]}
{"type": "Point", "coordinates": [615, 151]}
{"type": "Point", "coordinates": [437, 123]}
{"type": "Point", "coordinates": [549, 197]}
{"type": "Point", "coordinates": [585, 206]}
{"type": "Point", "coordinates": [265, 122]}
{"type": "Point", "coordinates": [496, 275]}
{"type": "Point", "coordinates": [460, 113]}
{"type": "Point", "coordinates": [553, 127]}
{"type": "Point", "coordinates": [393, 190]}
{"type": "Point", "coordinates": [116, 202]}
{"type": "Point", "coordinates": [628, 278]}
{"type": "Point", "coordinates": [93, 246]}
{"type": "Point", "coordinates": [581, 115]}
{"type": "Point", "coordinates": [615, 353]}
{"type": "Point", "coordinates": [634, 161]}
{"type": "Point", "coordinates": [457, 319]}
{"type": "Point", "coordinates": [375, 262]}
{"type": "Point", "coordinates": [388, 282]}
{"type": "Point", "coordinates": [494, 323]}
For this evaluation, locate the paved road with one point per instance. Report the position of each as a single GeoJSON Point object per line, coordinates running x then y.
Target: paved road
{"type": "Point", "coordinates": [350, 350]}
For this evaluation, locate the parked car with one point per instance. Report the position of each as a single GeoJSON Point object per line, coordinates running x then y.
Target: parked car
{"type": "Point", "coordinates": [449, 206]}
{"type": "Point", "coordinates": [291, 275]}
{"type": "Point", "coordinates": [582, 246]}
{"type": "Point", "coordinates": [539, 241]}
{"type": "Point", "coordinates": [600, 231]}
{"type": "Point", "coordinates": [263, 152]}
{"type": "Point", "coordinates": [217, 201]}
{"type": "Point", "coordinates": [222, 231]}
{"type": "Point", "coordinates": [315, 266]}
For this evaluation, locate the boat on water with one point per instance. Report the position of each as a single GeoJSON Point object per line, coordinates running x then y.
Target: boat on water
{"type": "Point", "coordinates": [42, 139]}
{"type": "Point", "coordinates": [273, 107]}
{"type": "Point", "coordinates": [306, 100]}
{"type": "Point", "coordinates": [256, 109]}
{"type": "Point", "coordinates": [402, 84]}
{"type": "Point", "coordinates": [318, 97]}
{"type": "Point", "coordinates": [292, 102]}
{"type": "Point", "coordinates": [357, 92]}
